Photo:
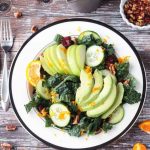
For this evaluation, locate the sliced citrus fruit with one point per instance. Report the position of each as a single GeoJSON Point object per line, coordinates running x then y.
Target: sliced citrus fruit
{"type": "Point", "coordinates": [145, 126]}
{"type": "Point", "coordinates": [139, 146]}
{"type": "Point", "coordinates": [33, 72]}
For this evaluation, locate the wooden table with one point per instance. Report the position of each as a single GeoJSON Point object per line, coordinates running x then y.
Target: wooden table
{"type": "Point", "coordinates": [36, 13]}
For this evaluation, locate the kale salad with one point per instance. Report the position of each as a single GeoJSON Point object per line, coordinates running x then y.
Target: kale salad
{"type": "Point", "coordinates": [80, 85]}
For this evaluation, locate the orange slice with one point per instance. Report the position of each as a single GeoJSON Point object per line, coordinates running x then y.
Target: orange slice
{"type": "Point", "coordinates": [145, 126]}
{"type": "Point", "coordinates": [139, 146]}
{"type": "Point", "coordinates": [33, 72]}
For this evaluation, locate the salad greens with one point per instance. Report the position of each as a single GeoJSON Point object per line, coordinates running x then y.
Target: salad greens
{"type": "Point", "coordinates": [72, 92]}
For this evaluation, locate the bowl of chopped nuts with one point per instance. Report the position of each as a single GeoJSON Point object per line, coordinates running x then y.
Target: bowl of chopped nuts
{"type": "Point", "coordinates": [136, 13]}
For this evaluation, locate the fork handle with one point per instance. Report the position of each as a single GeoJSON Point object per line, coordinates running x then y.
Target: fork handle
{"type": "Point", "coordinates": [5, 89]}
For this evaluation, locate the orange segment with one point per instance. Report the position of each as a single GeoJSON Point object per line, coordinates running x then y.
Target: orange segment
{"type": "Point", "coordinates": [145, 126]}
{"type": "Point", "coordinates": [33, 72]}
{"type": "Point", "coordinates": [139, 146]}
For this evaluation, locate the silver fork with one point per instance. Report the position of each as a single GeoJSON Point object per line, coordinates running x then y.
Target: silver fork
{"type": "Point", "coordinates": [6, 45]}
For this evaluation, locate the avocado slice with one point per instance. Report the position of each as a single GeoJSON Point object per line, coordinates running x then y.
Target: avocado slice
{"type": "Point", "coordinates": [118, 101]}
{"type": "Point", "coordinates": [54, 58]}
{"type": "Point", "coordinates": [106, 72]}
{"type": "Point", "coordinates": [61, 52]}
{"type": "Point", "coordinates": [46, 67]}
{"type": "Point", "coordinates": [85, 89]}
{"type": "Point", "coordinates": [80, 56]}
{"type": "Point", "coordinates": [43, 91]}
{"type": "Point", "coordinates": [108, 82]}
{"type": "Point", "coordinates": [98, 85]}
{"type": "Point", "coordinates": [48, 59]}
{"type": "Point", "coordinates": [71, 57]}
{"type": "Point", "coordinates": [102, 108]}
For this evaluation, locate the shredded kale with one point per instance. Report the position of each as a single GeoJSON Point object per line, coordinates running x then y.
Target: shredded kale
{"type": "Point", "coordinates": [58, 38]}
{"type": "Point", "coordinates": [48, 122]}
{"type": "Point", "coordinates": [122, 70]}
{"type": "Point", "coordinates": [89, 40]}
{"type": "Point", "coordinates": [30, 105]}
{"type": "Point", "coordinates": [109, 48]}
{"type": "Point", "coordinates": [131, 96]}
{"type": "Point", "coordinates": [100, 66]}
{"type": "Point", "coordinates": [75, 131]}
{"type": "Point", "coordinates": [132, 80]}
{"type": "Point", "coordinates": [106, 126]}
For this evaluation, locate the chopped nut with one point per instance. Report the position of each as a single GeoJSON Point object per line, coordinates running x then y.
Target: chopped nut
{"type": "Point", "coordinates": [76, 119]}
{"type": "Point", "coordinates": [126, 82]}
{"type": "Point", "coordinates": [112, 69]}
{"type": "Point", "coordinates": [6, 146]}
{"type": "Point", "coordinates": [10, 127]}
{"type": "Point", "coordinates": [34, 29]}
{"type": "Point", "coordinates": [18, 14]}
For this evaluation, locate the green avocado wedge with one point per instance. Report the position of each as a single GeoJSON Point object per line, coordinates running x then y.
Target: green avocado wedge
{"type": "Point", "coordinates": [98, 85]}
{"type": "Point", "coordinates": [61, 52]}
{"type": "Point", "coordinates": [48, 59]}
{"type": "Point", "coordinates": [87, 83]}
{"type": "Point", "coordinates": [42, 91]}
{"type": "Point", "coordinates": [102, 108]}
{"type": "Point", "coordinates": [80, 56]}
{"type": "Point", "coordinates": [71, 57]}
{"type": "Point", "coordinates": [108, 82]}
{"type": "Point", "coordinates": [118, 101]}
{"type": "Point", "coordinates": [46, 67]}
{"type": "Point", "coordinates": [106, 72]}
{"type": "Point", "coordinates": [51, 54]}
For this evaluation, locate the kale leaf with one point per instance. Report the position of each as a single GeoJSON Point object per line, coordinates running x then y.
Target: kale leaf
{"type": "Point", "coordinates": [122, 70]}
{"type": "Point", "coordinates": [30, 105]}
{"type": "Point", "coordinates": [131, 96]}
{"type": "Point", "coordinates": [94, 125]}
{"type": "Point", "coordinates": [75, 131]}
{"type": "Point", "coordinates": [58, 38]}
{"type": "Point", "coordinates": [106, 126]}
{"type": "Point", "coordinates": [48, 122]}
{"type": "Point", "coordinates": [101, 66]}
{"type": "Point", "coordinates": [89, 40]}
{"type": "Point", "coordinates": [132, 80]}
{"type": "Point", "coordinates": [109, 48]}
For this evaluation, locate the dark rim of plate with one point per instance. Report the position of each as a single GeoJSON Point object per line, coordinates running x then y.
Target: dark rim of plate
{"type": "Point", "coordinates": [99, 23]}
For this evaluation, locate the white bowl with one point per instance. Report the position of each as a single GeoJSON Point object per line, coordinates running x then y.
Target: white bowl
{"type": "Point", "coordinates": [127, 21]}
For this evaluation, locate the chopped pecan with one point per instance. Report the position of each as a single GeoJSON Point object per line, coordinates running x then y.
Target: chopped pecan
{"type": "Point", "coordinates": [18, 14]}
{"type": "Point", "coordinates": [126, 82]}
{"type": "Point", "coordinates": [10, 127]}
{"type": "Point", "coordinates": [6, 146]}
{"type": "Point", "coordinates": [76, 119]}
{"type": "Point", "coordinates": [112, 69]}
{"type": "Point", "coordinates": [34, 29]}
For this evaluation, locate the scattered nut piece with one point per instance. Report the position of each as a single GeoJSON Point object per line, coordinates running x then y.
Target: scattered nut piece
{"type": "Point", "coordinates": [112, 69]}
{"type": "Point", "coordinates": [18, 14]}
{"type": "Point", "coordinates": [76, 120]}
{"type": "Point", "coordinates": [6, 146]}
{"type": "Point", "coordinates": [34, 29]}
{"type": "Point", "coordinates": [126, 82]}
{"type": "Point", "coordinates": [10, 127]}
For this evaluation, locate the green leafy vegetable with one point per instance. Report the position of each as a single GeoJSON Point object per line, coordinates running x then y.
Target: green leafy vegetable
{"type": "Point", "coordinates": [106, 126]}
{"type": "Point", "coordinates": [75, 131]}
{"type": "Point", "coordinates": [58, 38]}
{"type": "Point", "coordinates": [122, 70]}
{"type": "Point", "coordinates": [30, 105]}
{"type": "Point", "coordinates": [94, 125]}
{"type": "Point", "coordinates": [109, 48]}
{"type": "Point", "coordinates": [132, 80]}
{"type": "Point", "coordinates": [131, 96]}
{"type": "Point", "coordinates": [89, 40]}
{"type": "Point", "coordinates": [100, 66]}
{"type": "Point", "coordinates": [48, 122]}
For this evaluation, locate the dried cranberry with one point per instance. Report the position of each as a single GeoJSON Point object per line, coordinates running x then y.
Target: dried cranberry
{"type": "Point", "coordinates": [66, 41]}
{"type": "Point", "coordinates": [111, 59]}
{"type": "Point", "coordinates": [40, 107]}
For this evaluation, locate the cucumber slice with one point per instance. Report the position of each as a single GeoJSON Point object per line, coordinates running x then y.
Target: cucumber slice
{"type": "Point", "coordinates": [117, 115]}
{"type": "Point", "coordinates": [42, 91]}
{"type": "Point", "coordinates": [59, 114]}
{"type": "Point", "coordinates": [94, 56]}
{"type": "Point", "coordinates": [87, 33]}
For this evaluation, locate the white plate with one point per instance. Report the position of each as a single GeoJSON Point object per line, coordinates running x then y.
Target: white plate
{"type": "Point", "coordinates": [18, 90]}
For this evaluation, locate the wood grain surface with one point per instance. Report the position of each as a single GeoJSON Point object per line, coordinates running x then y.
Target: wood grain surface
{"type": "Point", "coordinates": [40, 14]}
